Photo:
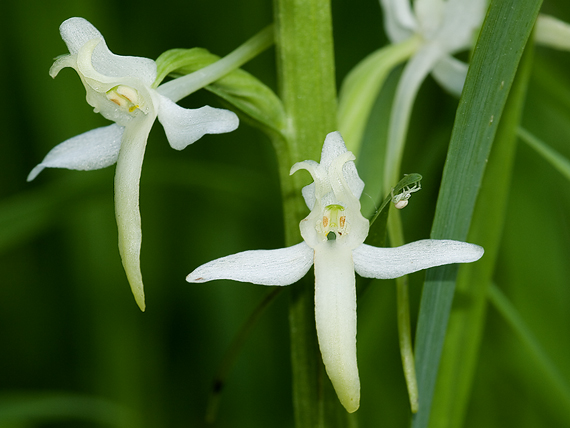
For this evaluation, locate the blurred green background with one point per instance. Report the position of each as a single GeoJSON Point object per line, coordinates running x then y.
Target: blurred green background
{"type": "Point", "coordinates": [75, 351]}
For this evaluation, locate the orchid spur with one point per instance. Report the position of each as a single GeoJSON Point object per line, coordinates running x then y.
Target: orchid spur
{"type": "Point", "coordinates": [334, 234]}
{"type": "Point", "coordinates": [121, 88]}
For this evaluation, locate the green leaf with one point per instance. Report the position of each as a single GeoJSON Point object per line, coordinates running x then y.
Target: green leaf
{"type": "Point", "coordinates": [467, 318]}
{"type": "Point", "coordinates": [182, 61]}
{"type": "Point", "coordinates": [239, 88]}
{"type": "Point", "coordinates": [495, 60]}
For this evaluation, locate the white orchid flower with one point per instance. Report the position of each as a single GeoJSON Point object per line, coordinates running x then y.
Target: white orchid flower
{"type": "Point", "coordinates": [121, 89]}
{"type": "Point", "coordinates": [445, 26]}
{"type": "Point", "coordinates": [333, 235]}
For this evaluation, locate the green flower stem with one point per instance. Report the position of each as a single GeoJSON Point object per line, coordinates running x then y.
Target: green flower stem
{"type": "Point", "coordinates": [405, 339]}
{"type": "Point", "coordinates": [376, 237]}
{"type": "Point", "coordinates": [395, 231]}
{"type": "Point", "coordinates": [413, 76]}
{"type": "Point", "coordinates": [183, 86]}
{"type": "Point", "coordinates": [307, 88]}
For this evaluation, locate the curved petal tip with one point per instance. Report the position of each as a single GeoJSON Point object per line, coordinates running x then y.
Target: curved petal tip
{"type": "Point", "coordinates": [34, 172]}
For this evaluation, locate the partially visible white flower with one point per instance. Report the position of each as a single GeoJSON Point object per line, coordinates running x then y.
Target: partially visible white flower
{"type": "Point", "coordinates": [120, 88]}
{"type": "Point", "coordinates": [552, 32]}
{"type": "Point", "coordinates": [445, 28]}
{"type": "Point", "coordinates": [333, 235]}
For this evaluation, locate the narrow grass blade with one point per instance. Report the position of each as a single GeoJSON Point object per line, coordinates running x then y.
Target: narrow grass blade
{"type": "Point", "coordinates": [495, 60]}
{"type": "Point", "coordinates": [467, 318]}
{"type": "Point", "coordinates": [561, 163]}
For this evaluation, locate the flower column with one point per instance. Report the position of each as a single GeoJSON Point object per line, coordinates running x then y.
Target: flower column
{"type": "Point", "coordinates": [307, 87]}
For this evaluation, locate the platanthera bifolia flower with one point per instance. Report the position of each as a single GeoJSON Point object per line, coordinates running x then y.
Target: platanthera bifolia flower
{"type": "Point", "coordinates": [445, 27]}
{"type": "Point", "coordinates": [333, 235]}
{"type": "Point", "coordinates": [121, 89]}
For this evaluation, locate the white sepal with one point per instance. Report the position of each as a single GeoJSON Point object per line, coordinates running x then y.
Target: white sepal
{"type": "Point", "coordinates": [333, 147]}
{"type": "Point", "coordinates": [460, 21]}
{"type": "Point", "coordinates": [282, 266]}
{"type": "Point", "coordinates": [429, 15]}
{"type": "Point", "coordinates": [76, 32]}
{"type": "Point", "coordinates": [93, 149]}
{"type": "Point", "coordinates": [388, 263]}
{"type": "Point", "coordinates": [399, 21]}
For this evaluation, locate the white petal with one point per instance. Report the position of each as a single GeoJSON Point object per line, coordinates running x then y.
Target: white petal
{"type": "Point", "coordinates": [185, 126]}
{"type": "Point", "coordinates": [461, 20]}
{"type": "Point", "coordinates": [552, 32]}
{"type": "Point", "coordinates": [387, 263]}
{"type": "Point", "coordinates": [399, 20]}
{"type": "Point", "coordinates": [94, 149]}
{"type": "Point", "coordinates": [334, 146]}
{"type": "Point", "coordinates": [335, 315]}
{"type": "Point", "coordinates": [62, 62]}
{"type": "Point", "coordinates": [429, 14]}
{"type": "Point", "coordinates": [320, 176]}
{"type": "Point", "coordinates": [283, 266]}
{"type": "Point", "coordinates": [76, 32]}
{"type": "Point", "coordinates": [127, 178]}
{"type": "Point", "coordinates": [450, 73]}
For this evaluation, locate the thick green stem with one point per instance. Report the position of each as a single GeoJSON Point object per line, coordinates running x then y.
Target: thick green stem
{"type": "Point", "coordinates": [307, 87]}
